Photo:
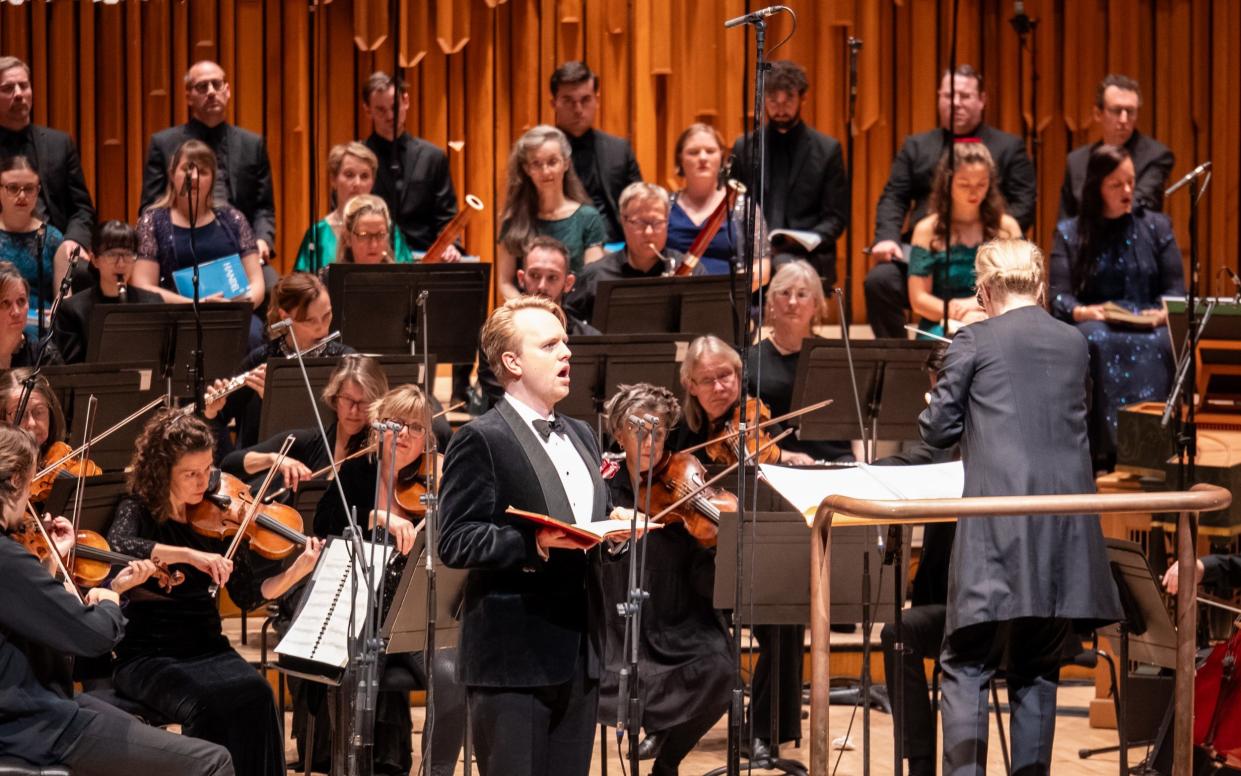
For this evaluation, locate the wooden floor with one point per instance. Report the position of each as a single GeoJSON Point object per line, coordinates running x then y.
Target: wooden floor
{"type": "Point", "coordinates": [1072, 733]}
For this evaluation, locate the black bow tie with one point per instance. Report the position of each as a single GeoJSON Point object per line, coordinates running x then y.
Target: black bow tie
{"type": "Point", "coordinates": [546, 427]}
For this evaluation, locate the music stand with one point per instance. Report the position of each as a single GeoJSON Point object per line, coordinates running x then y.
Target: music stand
{"type": "Point", "coordinates": [99, 499]}
{"type": "Point", "coordinates": [306, 500]}
{"type": "Point", "coordinates": [122, 388]}
{"type": "Point", "coordinates": [376, 307]}
{"type": "Point", "coordinates": [705, 304]}
{"type": "Point", "coordinates": [600, 363]}
{"type": "Point", "coordinates": [286, 405]}
{"type": "Point", "coordinates": [405, 627]}
{"type": "Point", "coordinates": [164, 333]}
{"type": "Point", "coordinates": [891, 382]}
{"type": "Point", "coordinates": [1219, 351]}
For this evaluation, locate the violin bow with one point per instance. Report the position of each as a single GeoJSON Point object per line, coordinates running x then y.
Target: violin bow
{"type": "Point", "coordinates": [255, 505]}
{"type": "Point", "coordinates": [101, 436]}
{"type": "Point", "coordinates": [51, 546]}
{"type": "Point", "coordinates": [786, 416]}
{"type": "Point", "coordinates": [724, 473]}
{"type": "Point", "coordinates": [1218, 603]}
{"type": "Point", "coordinates": [79, 490]}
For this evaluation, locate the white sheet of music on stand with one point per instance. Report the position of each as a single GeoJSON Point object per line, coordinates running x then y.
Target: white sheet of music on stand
{"type": "Point", "coordinates": [805, 489]}
{"type": "Point", "coordinates": [320, 630]}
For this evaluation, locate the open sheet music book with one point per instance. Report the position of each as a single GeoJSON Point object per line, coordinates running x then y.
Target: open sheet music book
{"type": "Point", "coordinates": [586, 535]}
{"type": "Point", "coordinates": [805, 489]}
{"type": "Point", "coordinates": [317, 641]}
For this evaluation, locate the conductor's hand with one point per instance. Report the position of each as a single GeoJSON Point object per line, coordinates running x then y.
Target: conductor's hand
{"type": "Point", "coordinates": [549, 539]}
{"type": "Point", "coordinates": [134, 574]}
{"type": "Point", "coordinates": [885, 250]}
{"type": "Point", "coordinates": [1171, 579]}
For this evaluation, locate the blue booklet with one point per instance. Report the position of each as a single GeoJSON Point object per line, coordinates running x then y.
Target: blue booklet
{"type": "Point", "coordinates": [220, 276]}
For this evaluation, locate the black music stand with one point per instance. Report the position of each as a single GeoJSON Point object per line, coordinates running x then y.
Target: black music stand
{"type": "Point", "coordinates": [600, 363]}
{"type": "Point", "coordinates": [286, 405]}
{"type": "Point", "coordinates": [376, 307]}
{"type": "Point", "coordinates": [122, 388]}
{"type": "Point", "coordinates": [892, 386]}
{"type": "Point", "coordinates": [703, 304]}
{"type": "Point", "coordinates": [1219, 351]}
{"type": "Point", "coordinates": [405, 627]}
{"type": "Point", "coordinates": [306, 499]}
{"type": "Point", "coordinates": [165, 334]}
{"type": "Point", "coordinates": [98, 499]}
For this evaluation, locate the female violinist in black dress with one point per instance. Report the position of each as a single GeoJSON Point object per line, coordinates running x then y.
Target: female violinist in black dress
{"type": "Point", "coordinates": [685, 654]}
{"type": "Point", "coordinates": [399, 510]}
{"type": "Point", "coordinates": [174, 657]}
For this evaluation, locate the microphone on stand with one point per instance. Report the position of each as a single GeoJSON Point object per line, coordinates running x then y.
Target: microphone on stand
{"type": "Point", "coordinates": [756, 16]}
{"type": "Point", "coordinates": [1189, 176]}
{"type": "Point", "coordinates": [191, 172]}
{"type": "Point", "coordinates": [280, 325]}
{"type": "Point", "coordinates": [122, 290]}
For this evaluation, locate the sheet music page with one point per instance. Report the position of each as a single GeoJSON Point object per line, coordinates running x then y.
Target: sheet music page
{"type": "Point", "coordinates": [805, 489]}
{"type": "Point", "coordinates": [320, 631]}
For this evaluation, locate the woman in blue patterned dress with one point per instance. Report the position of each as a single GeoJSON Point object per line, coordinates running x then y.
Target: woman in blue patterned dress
{"type": "Point", "coordinates": [1114, 252]}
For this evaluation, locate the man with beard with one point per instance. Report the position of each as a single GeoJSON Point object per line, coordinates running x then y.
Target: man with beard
{"type": "Point", "coordinates": [807, 189]}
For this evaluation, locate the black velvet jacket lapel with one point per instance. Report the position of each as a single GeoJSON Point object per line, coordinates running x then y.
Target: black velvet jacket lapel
{"type": "Point", "coordinates": [549, 480]}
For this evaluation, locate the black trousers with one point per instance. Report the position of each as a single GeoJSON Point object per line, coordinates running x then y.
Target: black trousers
{"type": "Point", "coordinates": [535, 731]}
{"type": "Point", "coordinates": [680, 740]}
{"type": "Point", "coordinates": [115, 744]}
{"type": "Point", "coordinates": [887, 298]}
{"type": "Point", "coordinates": [922, 632]}
{"type": "Point", "coordinates": [1031, 649]}
{"type": "Point", "coordinates": [791, 650]}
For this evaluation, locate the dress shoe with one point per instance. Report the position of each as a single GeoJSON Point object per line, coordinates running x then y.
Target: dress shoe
{"type": "Point", "coordinates": [650, 746]}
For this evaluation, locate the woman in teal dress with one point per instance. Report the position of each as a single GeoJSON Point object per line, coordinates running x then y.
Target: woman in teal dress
{"type": "Point", "coordinates": [977, 215]}
{"type": "Point", "coordinates": [23, 235]}
{"type": "Point", "coordinates": [352, 169]}
{"type": "Point", "coordinates": [545, 197]}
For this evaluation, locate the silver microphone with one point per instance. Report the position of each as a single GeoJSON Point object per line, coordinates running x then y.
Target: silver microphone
{"type": "Point", "coordinates": [386, 425]}
{"type": "Point", "coordinates": [280, 325]}
{"type": "Point", "coordinates": [1189, 176]}
{"type": "Point", "coordinates": [651, 420]}
{"type": "Point", "coordinates": [122, 291]}
{"type": "Point", "coordinates": [639, 421]}
{"type": "Point", "coordinates": [756, 16]}
{"type": "Point", "coordinates": [191, 172]}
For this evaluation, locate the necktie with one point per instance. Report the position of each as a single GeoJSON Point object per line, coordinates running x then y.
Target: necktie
{"type": "Point", "coordinates": [545, 428]}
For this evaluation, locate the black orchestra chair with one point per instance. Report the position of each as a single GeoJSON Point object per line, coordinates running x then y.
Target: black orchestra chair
{"type": "Point", "coordinates": [13, 766]}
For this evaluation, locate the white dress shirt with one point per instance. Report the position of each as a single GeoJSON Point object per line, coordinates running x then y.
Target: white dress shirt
{"type": "Point", "coordinates": [574, 474]}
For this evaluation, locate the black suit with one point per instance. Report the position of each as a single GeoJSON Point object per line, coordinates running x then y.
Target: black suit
{"type": "Point", "coordinates": [527, 645]}
{"type": "Point", "coordinates": [908, 192]}
{"type": "Point", "coordinates": [606, 165]}
{"type": "Point", "coordinates": [64, 200]}
{"type": "Point", "coordinates": [812, 194]}
{"type": "Point", "coordinates": [244, 180]}
{"type": "Point", "coordinates": [419, 193]}
{"type": "Point", "coordinates": [1152, 162]}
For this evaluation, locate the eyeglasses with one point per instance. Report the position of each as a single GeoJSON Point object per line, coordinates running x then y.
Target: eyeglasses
{"type": "Point", "coordinates": [372, 236]}
{"type": "Point", "coordinates": [642, 224]}
{"type": "Point", "coordinates": [788, 294]}
{"type": "Point", "coordinates": [413, 427]}
{"type": "Point", "coordinates": [17, 189]}
{"type": "Point", "coordinates": [210, 84]}
{"type": "Point", "coordinates": [352, 405]}
{"type": "Point", "coordinates": [116, 256]}
{"type": "Point", "coordinates": [725, 379]}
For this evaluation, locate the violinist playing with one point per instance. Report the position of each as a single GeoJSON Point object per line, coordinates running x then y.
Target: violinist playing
{"type": "Point", "coordinates": [685, 654]}
{"type": "Point", "coordinates": [400, 509]}
{"type": "Point", "coordinates": [175, 657]}
{"type": "Point", "coordinates": [46, 423]}
{"type": "Point", "coordinates": [39, 622]}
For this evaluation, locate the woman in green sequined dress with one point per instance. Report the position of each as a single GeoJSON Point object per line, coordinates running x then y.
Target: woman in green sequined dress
{"type": "Point", "coordinates": [976, 215]}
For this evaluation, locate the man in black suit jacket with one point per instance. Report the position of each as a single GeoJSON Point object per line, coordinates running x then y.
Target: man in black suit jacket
{"type": "Point", "coordinates": [413, 175]}
{"type": "Point", "coordinates": [64, 201]}
{"type": "Point", "coordinates": [604, 163]}
{"type": "Point", "coordinates": [807, 187]}
{"type": "Point", "coordinates": [1116, 110]}
{"type": "Point", "coordinates": [244, 179]}
{"type": "Point", "coordinates": [528, 659]}
{"type": "Point", "coordinates": [905, 197]}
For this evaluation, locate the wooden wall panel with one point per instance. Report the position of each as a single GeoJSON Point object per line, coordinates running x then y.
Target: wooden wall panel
{"type": "Point", "coordinates": [478, 72]}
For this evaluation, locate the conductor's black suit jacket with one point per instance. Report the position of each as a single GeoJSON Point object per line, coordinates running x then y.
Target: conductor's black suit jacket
{"type": "Point", "coordinates": [525, 621]}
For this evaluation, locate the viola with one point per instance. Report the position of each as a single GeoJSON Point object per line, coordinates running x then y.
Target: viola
{"type": "Point", "coordinates": [411, 496]}
{"type": "Point", "coordinates": [726, 449]}
{"type": "Point", "coordinates": [275, 532]}
{"type": "Point", "coordinates": [93, 559]}
{"type": "Point", "coordinates": [41, 487]}
{"type": "Point", "coordinates": [1217, 704]}
{"type": "Point", "coordinates": [680, 475]}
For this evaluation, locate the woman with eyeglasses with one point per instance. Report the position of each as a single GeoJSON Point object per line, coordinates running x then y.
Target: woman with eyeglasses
{"type": "Point", "coordinates": [17, 346]}
{"type": "Point", "coordinates": [795, 305]}
{"type": "Point", "coordinates": [400, 461]}
{"type": "Point", "coordinates": [367, 234]}
{"type": "Point", "coordinates": [112, 267]}
{"type": "Point", "coordinates": [545, 197]}
{"type": "Point", "coordinates": [352, 167]}
{"type": "Point", "coordinates": [26, 241]}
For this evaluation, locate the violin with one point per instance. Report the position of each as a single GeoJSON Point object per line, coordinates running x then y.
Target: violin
{"type": "Point", "coordinates": [93, 559]}
{"type": "Point", "coordinates": [274, 533]}
{"type": "Point", "coordinates": [680, 475]}
{"type": "Point", "coordinates": [68, 466]}
{"type": "Point", "coordinates": [726, 449]}
{"type": "Point", "coordinates": [412, 496]}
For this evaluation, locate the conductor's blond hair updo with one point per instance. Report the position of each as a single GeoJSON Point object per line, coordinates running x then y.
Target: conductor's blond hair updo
{"type": "Point", "coordinates": [1005, 267]}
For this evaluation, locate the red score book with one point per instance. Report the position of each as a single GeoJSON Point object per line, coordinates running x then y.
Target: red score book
{"type": "Point", "coordinates": [587, 535]}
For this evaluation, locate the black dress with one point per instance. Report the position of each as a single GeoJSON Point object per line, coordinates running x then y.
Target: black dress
{"type": "Point", "coordinates": [686, 664]}
{"type": "Point", "coordinates": [175, 658]}
{"type": "Point", "coordinates": [778, 373]}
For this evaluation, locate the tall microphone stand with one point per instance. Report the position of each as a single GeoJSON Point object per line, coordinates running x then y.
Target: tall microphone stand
{"type": "Point", "coordinates": [40, 240]}
{"type": "Point", "coordinates": [312, 169]}
{"type": "Point", "coordinates": [45, 339]}
{"type": "Point", "coordinates": [198, 376]}
{"type": "Point", "coordinates": [855, 46]}
{"type": "Point", "coordinates": [950, 145]}
{"type": "Point", "coordinates": [430, 530]}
